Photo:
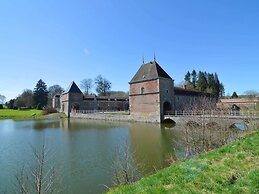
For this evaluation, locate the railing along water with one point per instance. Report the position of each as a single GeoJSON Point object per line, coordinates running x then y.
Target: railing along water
{"type": "Point", "coordinates": [97, 111]}
{"type": "Point", "coordinates": [213, 113]}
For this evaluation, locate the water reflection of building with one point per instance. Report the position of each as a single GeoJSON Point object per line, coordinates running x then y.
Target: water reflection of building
{"type": "Point", "coordinates": [150, 144]}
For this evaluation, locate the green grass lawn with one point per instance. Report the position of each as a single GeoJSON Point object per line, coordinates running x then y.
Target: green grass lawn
{"type": "Point", "coordinates": [19, 114]}
{"type": "Point", "coordinates": [233, 168]}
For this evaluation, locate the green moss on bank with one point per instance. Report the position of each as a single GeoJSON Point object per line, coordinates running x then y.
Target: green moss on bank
{"type": "Point", "coordinates": [233, 168]}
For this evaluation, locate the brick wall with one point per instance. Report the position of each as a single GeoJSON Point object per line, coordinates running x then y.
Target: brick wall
{"type": "Point", "coordinates": [144, 103]}
{"type": "Point", "coordinates": [146, 106]}
{"type": "Point", "coordinates": [149, 87]}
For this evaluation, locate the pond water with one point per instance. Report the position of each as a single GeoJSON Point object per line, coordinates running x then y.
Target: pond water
{"type": "Point", "coordinates": [83, 152]}
{"type": "Point", "coordinates": [240, 126]}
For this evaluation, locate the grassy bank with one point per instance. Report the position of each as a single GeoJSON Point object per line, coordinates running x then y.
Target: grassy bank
{"type": "Point", "coordinates": [27, 114]}
{"type": "Point", "coordinates": [20, 114]}
{"type": "Point", "coordinates": [233, 168]}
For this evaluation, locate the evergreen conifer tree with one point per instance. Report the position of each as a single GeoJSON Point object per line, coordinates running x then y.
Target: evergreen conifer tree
{"type": "Point", "coordinates": [205, 82]}
{"type": "Point", "coordinates": [40, 95]}
{"type": "Point", "coordinates": [222, 90]}
{"type": "Point", "coordinates": [187, 78]}
{"type": "Point", "coordinates": [211, 83]}
{"type": "Point", "coordinates": [217, 85]}
{"type": "Point", "coordinates": [202, 83]}
{"type": "Point", "coordinates": [194, 79]}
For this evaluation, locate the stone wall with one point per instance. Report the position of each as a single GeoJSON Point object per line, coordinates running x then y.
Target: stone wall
{"type": "Point", "coordinates": [64, 101]}
{"type": "Point", "coordinates": [70, 102]}
{"type": "Point", "coordinates": [192, 102]}
{"type": "Point", "coordinates": [182, 102]}
{"type": "Point", "coordinates": [104, 103]}
{"type": "Point", "coordinates": [115, 117]}
{"type": "Point", "coordinates": [56, 102]}
{"type": "Point", "coordinates": [243, 103]}
{"type": "Point", "coordinates": [166, 95]}
{"type": "Point", "coordinates": [101, 116]}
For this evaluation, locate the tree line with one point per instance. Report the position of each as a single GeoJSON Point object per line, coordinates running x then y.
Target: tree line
{"type": "Point", "coordinates": [102, 87]}
{"type": "Point", "coordinates": [204, 82]}
{"type": "Point", "coordinates": [41, 96]}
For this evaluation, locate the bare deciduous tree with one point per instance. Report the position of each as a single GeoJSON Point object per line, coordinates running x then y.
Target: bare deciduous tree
{"type": "Point", "coordinates": [126, 171]}
{"type": "Point", "coordinates": [251, 93]}
{"type": "Point", "coordinates": [55, 89]}
{"type": "Point", "coordinates": [200, 104]}
{"type": "Point", "coordinates": [86, 85]}
{"type": "Point", "coordinates": [103, 85]}
{"type": "Point", "coordinates": [25, 99]}
{"type": "Point", "coordinates": [2, 99]}
{"type": "Point", "coordinates": [41, 177]}
{"type": "Point", "coordinates": [204, 130]}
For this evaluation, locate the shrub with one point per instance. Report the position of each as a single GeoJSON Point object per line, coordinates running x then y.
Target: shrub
{"type": "Point", "coordinates": [1, 106]}
{"type": "Point", "coordinates": [49, 111]}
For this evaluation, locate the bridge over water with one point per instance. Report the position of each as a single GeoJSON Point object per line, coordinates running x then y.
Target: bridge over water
{"type": "Point", "coordinates": [212, 116]}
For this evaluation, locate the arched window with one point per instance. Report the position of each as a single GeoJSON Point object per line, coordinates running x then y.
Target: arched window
{"type": "Point", "coordinates": [142, 90]}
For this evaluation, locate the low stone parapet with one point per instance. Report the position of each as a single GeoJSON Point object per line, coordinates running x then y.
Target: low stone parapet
{"type": "Point", "coordinates": [101, 116]}
{"type": "Point", "coordinates": [111, 117]}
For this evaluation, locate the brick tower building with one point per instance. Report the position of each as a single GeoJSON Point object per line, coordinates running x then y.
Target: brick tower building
{"type": "Point", "coordinates": [151, 93]}
{"type": "Point", "coordinates": [71, 99]}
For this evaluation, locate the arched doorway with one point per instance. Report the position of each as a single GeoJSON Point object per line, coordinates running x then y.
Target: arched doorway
{"type": "Point", "coordinates": [235, 109]}
{"type": "Point", "coordinates": [167, 107]}
{"type": "Point", "coordinates": [75, 107]}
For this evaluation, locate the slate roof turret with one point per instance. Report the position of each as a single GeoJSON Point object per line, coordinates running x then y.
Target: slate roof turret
{"type": "Point", "coordinates": [73, 88]}
{"type": "Point", "coordinates": [149, 71]}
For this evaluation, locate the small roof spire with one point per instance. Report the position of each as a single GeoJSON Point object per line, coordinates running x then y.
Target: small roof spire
{"type": "Point", "coordinates": [143, 59]}
{"type": "Point", "coordinates": [154, 56]}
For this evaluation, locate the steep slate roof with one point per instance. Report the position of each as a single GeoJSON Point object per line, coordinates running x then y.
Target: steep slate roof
{"type": "Point", "coordinates": [149, 71]}
{"type": "Point", "coordinates": [73, 88]}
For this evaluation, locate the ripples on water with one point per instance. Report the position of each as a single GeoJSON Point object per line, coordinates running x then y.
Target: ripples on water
{"type": "Point", "coordinates": [83, 151]}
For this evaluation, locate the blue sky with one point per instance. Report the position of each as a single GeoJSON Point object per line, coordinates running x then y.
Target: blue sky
{"type": "Point", "coordinates": [61, 41]}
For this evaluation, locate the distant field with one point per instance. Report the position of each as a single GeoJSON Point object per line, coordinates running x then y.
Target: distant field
{"type": "Point", "coordinates": [19, 114]}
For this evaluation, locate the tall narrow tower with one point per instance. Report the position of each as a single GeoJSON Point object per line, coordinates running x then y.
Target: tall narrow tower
{"type": "Point", "coordinates": [71, 99]}
{"type": "Point", "coordinates": [151, 93]}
